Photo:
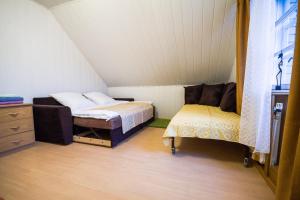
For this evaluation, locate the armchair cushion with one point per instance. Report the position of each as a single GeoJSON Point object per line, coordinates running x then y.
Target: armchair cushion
{"type": "Point", "coordinates": [211, 95]}
{"type": "Point", "coordinates": [192, 94]}
{"type": "Point", "coordinates": [228, 102]}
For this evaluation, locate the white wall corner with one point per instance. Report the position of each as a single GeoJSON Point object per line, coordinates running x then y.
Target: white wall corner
{"type": "Point", "coordinates": [232, 77]}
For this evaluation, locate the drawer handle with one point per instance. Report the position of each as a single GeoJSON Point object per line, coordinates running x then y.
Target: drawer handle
{"type": "Point", "coordinates": [15, 128]}
{"type": "Point", "coordinates": [17, 141]}
{"type": "Point", "coordinates": [13, 114]}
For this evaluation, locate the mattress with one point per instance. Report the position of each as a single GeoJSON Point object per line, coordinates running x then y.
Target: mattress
{"type": "Point", "coordinates": [125, 114]}
{"type": "Point", "coordinates": [110, 124]}
{"type": "Point", "coordinates": [207, 122]}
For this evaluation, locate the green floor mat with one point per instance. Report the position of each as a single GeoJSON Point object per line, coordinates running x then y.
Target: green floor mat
{"type": "Point", "coordinates": [159, 123]}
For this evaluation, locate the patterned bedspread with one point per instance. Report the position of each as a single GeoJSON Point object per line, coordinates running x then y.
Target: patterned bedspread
{"type": "Point", "coordinates": [204, 122]}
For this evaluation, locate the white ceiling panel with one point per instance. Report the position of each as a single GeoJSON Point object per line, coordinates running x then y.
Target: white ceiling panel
{"type": "Point", "coordinates": [51, 3]}
{"type": "Point", "coordinates": [153, 42]}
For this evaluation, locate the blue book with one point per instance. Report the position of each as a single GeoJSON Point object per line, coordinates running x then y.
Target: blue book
{"type": "Point", "coordinates": [12, 98]}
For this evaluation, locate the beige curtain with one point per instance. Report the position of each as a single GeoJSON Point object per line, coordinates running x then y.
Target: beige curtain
{"type": "Point", "coordinates": [288, 187]}
{"type": "Point", "coordinates": [242, 29]}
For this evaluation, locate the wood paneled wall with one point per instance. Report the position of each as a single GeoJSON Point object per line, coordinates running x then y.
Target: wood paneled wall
{"type": "Point", "coordinates": [153, 42]}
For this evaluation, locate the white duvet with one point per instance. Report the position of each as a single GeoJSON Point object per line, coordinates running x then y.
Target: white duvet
{"type": "Point", "coordinates": [131, 113]}
{"type": "Point", "coordinates": [98, 112]}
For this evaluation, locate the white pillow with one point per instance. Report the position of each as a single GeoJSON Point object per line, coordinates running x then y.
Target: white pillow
{"type": "Point", "coordinates": [73, 100]}
{"type": "Point", "coordinates": [99, 98]}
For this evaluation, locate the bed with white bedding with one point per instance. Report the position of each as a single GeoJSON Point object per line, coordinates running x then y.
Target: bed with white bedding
{"type": "Point", "coordinates": [110, 124]}
{"type": "Point", "coordinates": [131, 114]}
{"type": "Point", "coordinates": [101, 120]}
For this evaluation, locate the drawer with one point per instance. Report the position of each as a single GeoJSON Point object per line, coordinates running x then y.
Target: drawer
{"type": "Point", "coordinates": [94, 141]}
{"type": "Point", "coordinates": [15, 113]}
{"type": "Point", "coordinates": [18, 126]}
{"type": "Point", "coordinates": [17, 140]}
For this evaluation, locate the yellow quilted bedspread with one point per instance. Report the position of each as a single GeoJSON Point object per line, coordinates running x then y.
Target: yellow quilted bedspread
{"type": "Point", "coordinates": [204, 122]}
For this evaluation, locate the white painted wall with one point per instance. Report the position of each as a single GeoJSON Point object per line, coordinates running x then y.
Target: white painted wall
{"type": "Point", "coordinates": [166, 99]}
{"type": "Point", "coordinates": [232, 77]}
{"type": "Point", "coordinates": [36, 55]}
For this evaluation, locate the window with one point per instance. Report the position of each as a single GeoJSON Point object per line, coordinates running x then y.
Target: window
{"type": "Point", "coordinates": [285, 24]}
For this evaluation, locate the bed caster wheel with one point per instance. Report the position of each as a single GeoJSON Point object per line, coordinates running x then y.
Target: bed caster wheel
{"type": "Point", "coordinates": [247, 162]}
{"type": "Point", "coordinates": [173, 151]}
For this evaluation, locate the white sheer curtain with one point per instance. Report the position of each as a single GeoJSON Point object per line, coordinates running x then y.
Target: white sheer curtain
{"type": "Point", "coordinates": [256, 106]}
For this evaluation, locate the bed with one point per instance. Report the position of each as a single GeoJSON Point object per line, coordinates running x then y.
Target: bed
{"type": "Point", "coordinates": [205, 122]}
{"type": "Point", "coordinates": [208, 113]}
{"type": "Point", "coordinates": [56, 123]}
{"type": "Point", "coordinates": [110, 124]}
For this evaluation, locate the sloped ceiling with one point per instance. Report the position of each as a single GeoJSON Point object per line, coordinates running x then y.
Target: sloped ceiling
{"type": "Point", "coordinates": [153, 42]}
{"type": "Point", "coordinates": [51, 3]}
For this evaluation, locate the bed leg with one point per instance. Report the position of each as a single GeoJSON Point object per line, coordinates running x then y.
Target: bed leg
{"type": "Point", "coordinates": [247, 158]}
{"type": "Point", "coordinates": [173, 149]}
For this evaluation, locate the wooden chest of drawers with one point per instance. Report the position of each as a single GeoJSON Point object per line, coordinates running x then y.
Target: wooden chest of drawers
{"type": "Point", "coordinates": [16, 126]}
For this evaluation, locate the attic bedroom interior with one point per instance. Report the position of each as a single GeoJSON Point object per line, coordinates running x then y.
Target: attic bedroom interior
{"type": "Point", "coordinates": [149, 99]}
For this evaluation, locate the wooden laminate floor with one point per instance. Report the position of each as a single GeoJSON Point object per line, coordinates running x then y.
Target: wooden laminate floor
{"type": "Point", "coordinates": [139, 168]}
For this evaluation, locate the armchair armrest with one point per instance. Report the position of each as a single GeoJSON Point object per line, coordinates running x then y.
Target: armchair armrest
{"type": "Point", "coordinates": [124, 99]}
{"type": "Point", "coordinates": [53, 123]}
